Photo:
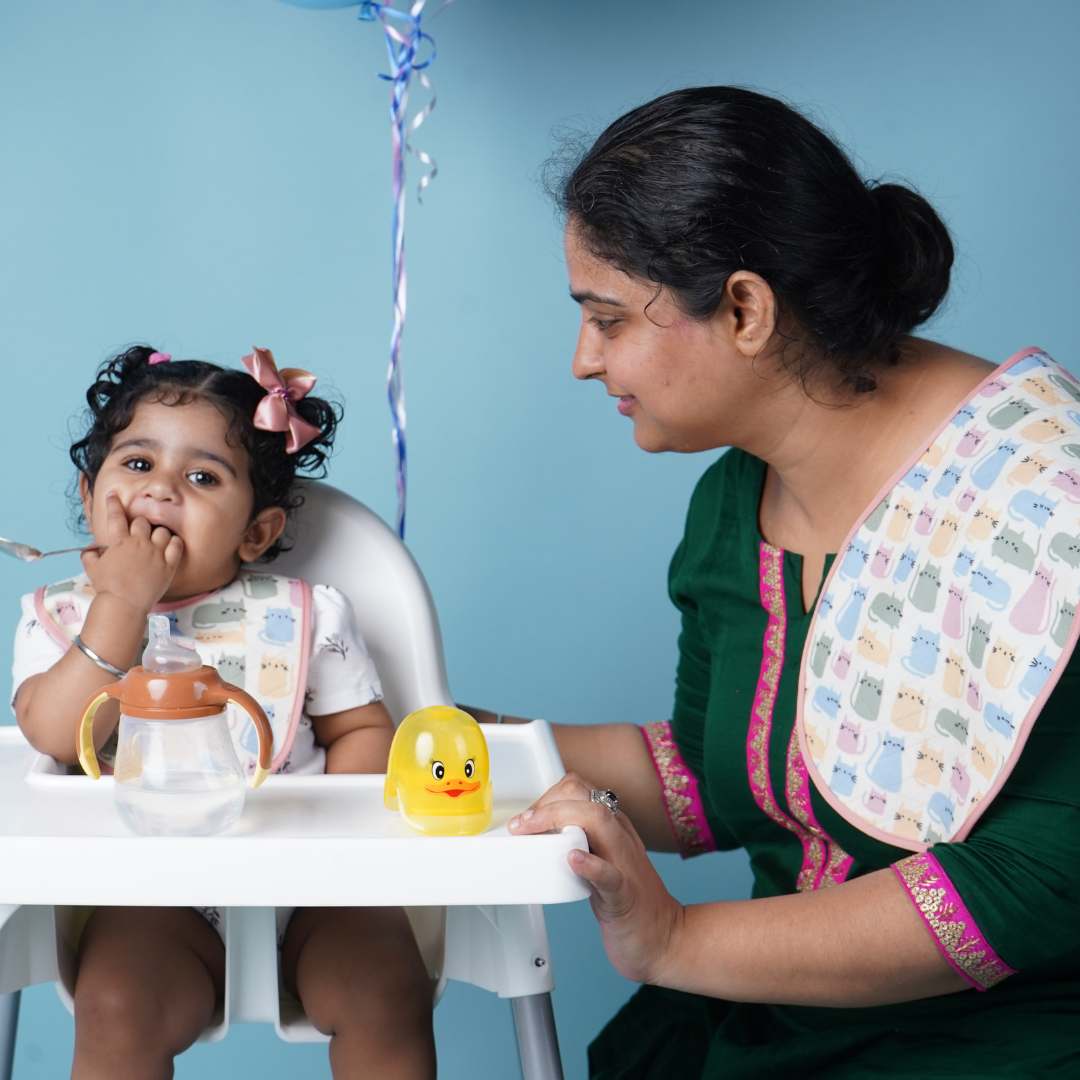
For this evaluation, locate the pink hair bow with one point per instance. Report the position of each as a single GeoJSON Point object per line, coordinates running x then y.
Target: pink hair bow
{"type": "Point", "coordinates": [276, 411]}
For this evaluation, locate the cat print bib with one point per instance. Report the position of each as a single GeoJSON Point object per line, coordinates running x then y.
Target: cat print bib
{"type": "Point", "coordinates": [256, 632]}
{"type": "Point", "coordinates": [949, 615]}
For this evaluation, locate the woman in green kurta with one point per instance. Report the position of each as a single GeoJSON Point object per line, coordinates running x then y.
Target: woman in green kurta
{"type": "Point", "coordinates": [1013, 873]}
{"type": "Point", "coordinates": [741, 286]}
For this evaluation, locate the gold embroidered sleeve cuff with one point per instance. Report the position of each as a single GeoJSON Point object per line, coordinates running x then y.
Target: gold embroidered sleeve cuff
{"type": "Point", "coordinates": [951, 925]}
{"type": "Point", "coordinates": [682, 798]}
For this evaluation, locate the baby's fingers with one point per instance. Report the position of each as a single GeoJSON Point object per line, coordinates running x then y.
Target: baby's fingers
{"type": "Point", "coordinates": [174, 552]}
{"type": "Point", "coordinates": [116, 521]}
{"type": "Point", "coordinates": [160, 537]}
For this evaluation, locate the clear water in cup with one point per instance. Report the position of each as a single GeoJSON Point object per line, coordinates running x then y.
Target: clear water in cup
{"type": "Point", "coordinates": [178, 777]}
{"type": "Point", "coordinates": [190, 804]}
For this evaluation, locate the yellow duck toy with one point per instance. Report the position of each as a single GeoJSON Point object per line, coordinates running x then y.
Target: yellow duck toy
{"type": "Point", "coordinates": [439, 774]}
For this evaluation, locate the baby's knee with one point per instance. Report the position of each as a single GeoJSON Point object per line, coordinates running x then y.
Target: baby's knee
{"type": "Point", "coordinates": [114, 1009]}
{"type": "Point", "coordinates": [388, 1003]}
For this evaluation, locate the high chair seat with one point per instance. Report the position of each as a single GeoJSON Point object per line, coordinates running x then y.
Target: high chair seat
{"type": "Point", "coordinates": [492, 936]}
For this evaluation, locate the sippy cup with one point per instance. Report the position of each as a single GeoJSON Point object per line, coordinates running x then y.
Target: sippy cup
{"type": "Point", "coordinates": [176, 772]}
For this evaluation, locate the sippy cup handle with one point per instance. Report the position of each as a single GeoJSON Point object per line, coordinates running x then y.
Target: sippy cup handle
{"type": "Point", "coordinates": [87, 754]}
{"type": "Point", "coordinates": [227, 693]}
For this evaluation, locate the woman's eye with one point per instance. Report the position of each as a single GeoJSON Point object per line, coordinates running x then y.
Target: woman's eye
{"type": "Point", "coordinates": [470, 768]}
{"type": "Point", "coordinates": [137, 464]}
{"type": "Point", "coordinates": [202, 478]}
{"type": "Point", "coordinates": [603, 325]}
{"type": "Point", "coordinates": [438, 770]}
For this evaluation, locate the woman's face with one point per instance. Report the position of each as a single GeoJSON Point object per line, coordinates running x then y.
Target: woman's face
{"type": "Point", "coordinates": [682, 382]}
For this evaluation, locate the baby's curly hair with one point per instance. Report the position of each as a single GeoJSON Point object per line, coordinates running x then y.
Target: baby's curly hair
{"type": "Point", "coordinates": [129, 378]}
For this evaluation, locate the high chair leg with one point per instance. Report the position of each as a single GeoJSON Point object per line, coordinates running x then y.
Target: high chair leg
{"type": "Point", "coordinates": [538, 1043]}
{"type": "Point", "coordinates": [9, 1022]}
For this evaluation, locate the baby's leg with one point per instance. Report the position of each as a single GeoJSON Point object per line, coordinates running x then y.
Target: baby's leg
{"type": "Point", "coordinates": [361, 980]}
{"type": "Point", "coordinates": [147, 984]}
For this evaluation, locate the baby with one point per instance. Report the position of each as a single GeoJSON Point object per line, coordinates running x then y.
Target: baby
{"type": "Point", "coordinates": [186, 473]}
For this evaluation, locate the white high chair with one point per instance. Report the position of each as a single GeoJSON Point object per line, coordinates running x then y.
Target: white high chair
{"type": "Point", "coordinates": [492, 934]}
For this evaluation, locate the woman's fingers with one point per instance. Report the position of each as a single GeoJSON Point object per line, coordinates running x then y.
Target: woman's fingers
{"type": "Point", "coordinates": [571, 786]}
{"type": "Point", "coordinates": [605, 878]}
{"type": "Point", "coordinates": [606, 833]}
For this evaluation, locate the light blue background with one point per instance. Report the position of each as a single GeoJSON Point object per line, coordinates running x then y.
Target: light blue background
{"type": "Point", "coordinates": [209, 174]}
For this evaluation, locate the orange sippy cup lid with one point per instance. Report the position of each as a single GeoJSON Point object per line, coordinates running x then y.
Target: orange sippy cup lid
{"type": "Point", "coordinates": [173, 683]}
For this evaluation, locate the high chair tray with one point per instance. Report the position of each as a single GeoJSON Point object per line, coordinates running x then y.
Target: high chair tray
{"type": "Point", "coordinates": [301, 841]}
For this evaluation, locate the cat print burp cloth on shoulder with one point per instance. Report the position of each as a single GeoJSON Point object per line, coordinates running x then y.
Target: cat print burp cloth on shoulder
{"type": "Point", "coordinates": [950, 615]}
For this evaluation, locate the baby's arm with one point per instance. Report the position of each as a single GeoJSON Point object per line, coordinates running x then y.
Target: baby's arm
{"type": "Point", "coordinates": [129, 577]}
{"type": "Point", "coordinates": [356, 740]}
{"type": "Point", "coordinates": [344, 696]}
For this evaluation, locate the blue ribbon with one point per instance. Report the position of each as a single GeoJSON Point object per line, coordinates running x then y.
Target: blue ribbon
{"type": "Point", "coordinates": [405, 38]}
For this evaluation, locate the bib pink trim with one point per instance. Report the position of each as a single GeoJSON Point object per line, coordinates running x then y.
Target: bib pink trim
{"type": "Point", "coordinates": [301, 675]}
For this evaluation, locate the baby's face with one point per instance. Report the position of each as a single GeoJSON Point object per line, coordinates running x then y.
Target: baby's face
{"type": "Point", "coordinates": [174, 466]}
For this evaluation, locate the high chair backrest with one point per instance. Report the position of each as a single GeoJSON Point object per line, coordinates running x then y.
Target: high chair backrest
{"type": "Point", "coordinates": [339, 541]}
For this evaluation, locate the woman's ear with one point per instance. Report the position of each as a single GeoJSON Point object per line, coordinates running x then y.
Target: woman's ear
{"type": "Point", "coordinates": [265, 527]}
{"type": "Point", "coordinates": [751, 305]}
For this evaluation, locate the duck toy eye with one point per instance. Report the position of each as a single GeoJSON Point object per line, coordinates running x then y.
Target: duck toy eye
{"type": "Point", "coordinates": [438, 770]}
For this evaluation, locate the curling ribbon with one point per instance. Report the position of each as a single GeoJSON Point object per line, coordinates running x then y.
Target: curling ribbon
{"type": "Point", "coordinates": [404, 39]}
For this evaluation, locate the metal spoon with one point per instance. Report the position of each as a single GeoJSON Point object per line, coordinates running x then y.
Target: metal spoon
{"type": "Point", "coordinates": [31, 554]}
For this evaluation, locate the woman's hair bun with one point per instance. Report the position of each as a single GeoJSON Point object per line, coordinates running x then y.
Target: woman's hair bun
{"type": "Point", "coordinates": [916, 255]}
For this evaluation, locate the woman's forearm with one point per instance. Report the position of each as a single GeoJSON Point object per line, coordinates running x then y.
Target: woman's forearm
{"type": "Point", "coordinates": [610, 756]}
{"type": "Point", "coordinates": [857, 944]}
{"type": "Point", "coordinates": [615, 756]}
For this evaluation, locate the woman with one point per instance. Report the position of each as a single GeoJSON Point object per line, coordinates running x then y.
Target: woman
{"type": "Point", "coordinates": [740, 286]}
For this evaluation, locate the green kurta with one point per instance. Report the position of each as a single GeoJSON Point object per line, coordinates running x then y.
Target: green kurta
{"type": "Point", "coordinates": [1017, 874]}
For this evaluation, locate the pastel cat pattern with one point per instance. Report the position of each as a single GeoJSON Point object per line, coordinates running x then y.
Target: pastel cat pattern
{"type": "Point", "coordinates": [254, 631]}
{"type": "Point", "coordinates": [955, 610]}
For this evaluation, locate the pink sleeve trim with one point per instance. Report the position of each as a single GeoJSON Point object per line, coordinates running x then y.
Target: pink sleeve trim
{"type": "Point", "coordinates": [955, 932]}
{"type": "Point", "coordinates": [682, 798]}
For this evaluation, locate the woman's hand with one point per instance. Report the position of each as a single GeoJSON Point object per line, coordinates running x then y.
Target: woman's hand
{"type": "Point", "coordinates": [638, 917]}
{"type": "Point", "coordinates": [139, 562]}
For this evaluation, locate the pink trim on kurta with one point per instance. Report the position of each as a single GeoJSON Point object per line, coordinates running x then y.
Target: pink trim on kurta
{"type": "Point", "coordinates": [824, 863]}
{"type": "Point", "coordinates": [682, 797]}
{"type": "Point", "coordinates": [822, 856]}
{"type": "Point", "coordinates": [955, 933]}
{"type": "Point", "coordinates": [820, 782]}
